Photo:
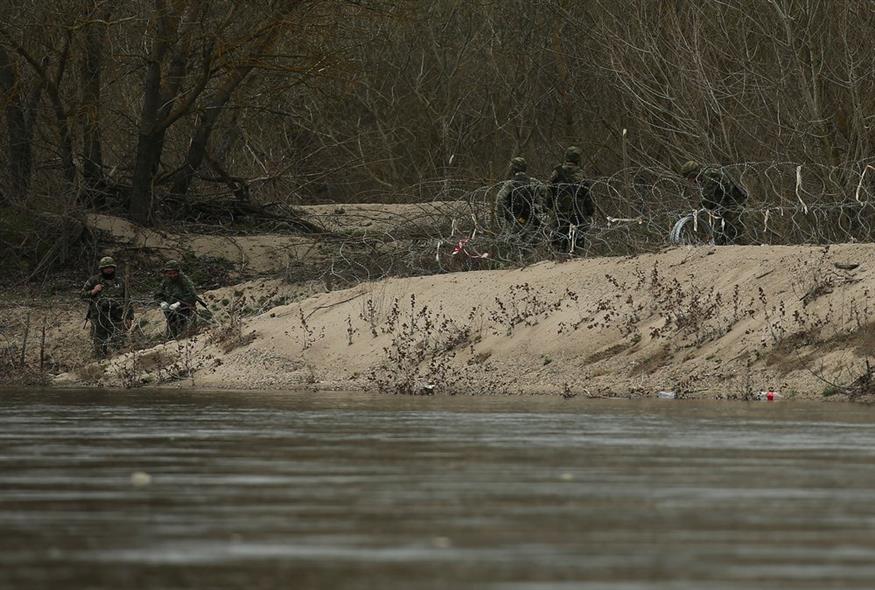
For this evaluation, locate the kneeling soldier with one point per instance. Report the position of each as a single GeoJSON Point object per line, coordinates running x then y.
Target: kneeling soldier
{"type": "Point", "coordinates": [721, 195]}
{"type": "Point", "coordinates": [177, 298]}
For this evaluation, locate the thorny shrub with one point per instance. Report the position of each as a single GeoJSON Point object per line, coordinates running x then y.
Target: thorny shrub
{"type": "Point", "coordinates": [686, 314]}
{"type": "Point", "coordinates": [177, 360]}
{"type": "Point", "coordinates": [418, 359]}
{"type": "Point", "coordinates": [309, 336]}
{"type": "Point", "coordinates": [228, 333]}
{"type": "Point", "coordinates": [526, 306]}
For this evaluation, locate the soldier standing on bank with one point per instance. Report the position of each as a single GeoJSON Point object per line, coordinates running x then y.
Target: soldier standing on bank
{"type": "Point", "coordinates": [721, 195]}
{"type": "Point", "coordinates": [109, 309]}
{"type": "Point", "coordinates": [517, 202]}
{"type": "Point", "coordinates": [572, 205]}
{"type": "Point", "coordinates": [177, 298]}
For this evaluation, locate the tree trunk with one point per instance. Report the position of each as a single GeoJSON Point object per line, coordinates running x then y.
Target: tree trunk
{"type": "Point", "coordinates": [52, 88]}
{"type": "Point", "coordinates": [198, 148]}
{"type": "Point", "coordinates": [150, 139]}
{"type": "Point", "coordinates": [149, 145]}
{"type": "Point", "coordinates": [92, 148]}
{"type": "Point", "coordinates": [19, 150]}
{"type": "Point", "coordinates": [64, 135]}
{"type": "Point", "coordinates": [66, 142]}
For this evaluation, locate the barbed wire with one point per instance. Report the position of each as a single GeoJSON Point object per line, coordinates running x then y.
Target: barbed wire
{"type": "Point", "coordinates": [636, 210]}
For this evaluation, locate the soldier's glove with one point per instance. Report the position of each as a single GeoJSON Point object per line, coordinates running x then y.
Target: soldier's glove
{"type": "Point", "coordinates": [164, 305]}
{"type": "Point", "coordinates": [176, 305]}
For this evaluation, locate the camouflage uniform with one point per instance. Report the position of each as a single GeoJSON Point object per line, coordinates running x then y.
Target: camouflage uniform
{"type": "Point", "coordinates": [517, 203]}
{"type": "Point", "coordinates": [109, 311]}
{"type": "Point", "coordinates": [177, 290]}
{"type": "Point", "coordinates": [721, 195]}
{"type": "Point", "coordinates": [571, 202]}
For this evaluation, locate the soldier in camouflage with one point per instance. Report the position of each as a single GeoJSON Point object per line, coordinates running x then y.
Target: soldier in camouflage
{"type": "Point", "coordinates": [720, 195]}
{"type": "Point", "coordinates": [517, 203]}
{"type": "Point", "coordinates": [177, 298]}
{"type": "Point", "coordinates": [109, 309]}
{"type": "Point", "coordinates": [571, 203]}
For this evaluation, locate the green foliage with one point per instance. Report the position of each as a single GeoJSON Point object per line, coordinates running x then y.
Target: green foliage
{"type": "Point", "coordinates": [831, 390]}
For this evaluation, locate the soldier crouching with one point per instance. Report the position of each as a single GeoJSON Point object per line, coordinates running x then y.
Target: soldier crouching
{"type": "Point", "coordinates": [177, 298]}
{"type": "Point", "coordinates": [721, 195]}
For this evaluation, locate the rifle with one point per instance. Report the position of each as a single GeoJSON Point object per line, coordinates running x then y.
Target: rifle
{"type": "Point", "coordinates": [208, 314]}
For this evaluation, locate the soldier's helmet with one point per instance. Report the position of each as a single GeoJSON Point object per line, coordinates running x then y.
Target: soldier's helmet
{"type": "Point", "coordinates": [573, 154]}
{"type": "Point", "coordinates": [106, 262]}
{"type": "Point", "coordinates": [171, 265]}
{"type": "Point", "coordinates": [518, 165]}
{"type": "Point", "coordinates": [691, 168]}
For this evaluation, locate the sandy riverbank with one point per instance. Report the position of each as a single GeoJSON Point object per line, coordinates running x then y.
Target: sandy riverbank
{"type": "Point", "coordinates": [704, 322]}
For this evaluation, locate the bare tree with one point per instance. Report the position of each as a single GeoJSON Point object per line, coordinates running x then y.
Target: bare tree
{"type": "Point", "coordinates": [21, 112]}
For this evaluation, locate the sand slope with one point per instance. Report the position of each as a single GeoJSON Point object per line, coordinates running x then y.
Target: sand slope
{"type": "Point", "coordinates": [702, 321]}
{"type": "Point", "coordinates": [248, 254]}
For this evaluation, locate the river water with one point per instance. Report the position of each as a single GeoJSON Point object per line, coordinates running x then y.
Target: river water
{"type": "Point", "coordinates": [315, 490]}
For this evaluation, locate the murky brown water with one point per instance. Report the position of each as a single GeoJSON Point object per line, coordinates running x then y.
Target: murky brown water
{"type": "Point", "coordinates": [347, 491]}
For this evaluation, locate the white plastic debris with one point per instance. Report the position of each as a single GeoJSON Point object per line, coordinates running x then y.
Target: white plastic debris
{"type": "Point", "coordinates": [666, 395]}
{"type": "Point", "coordinates": [442, 542]}
{"type": "Point", "coordinates": [423, 388]}
{"type": "Point", "coordinates": [140, 479]}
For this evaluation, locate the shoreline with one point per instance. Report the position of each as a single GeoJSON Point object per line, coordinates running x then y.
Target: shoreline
{"type": "Point", "coordinates": [369, 399]}
{"type": "Point", "coordinates": [700, 321]}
